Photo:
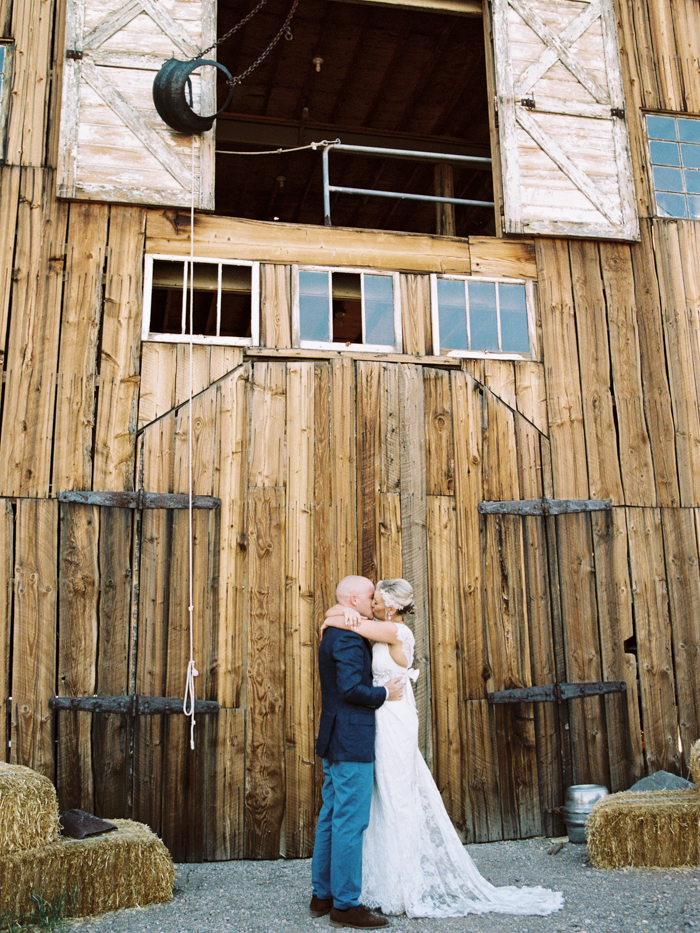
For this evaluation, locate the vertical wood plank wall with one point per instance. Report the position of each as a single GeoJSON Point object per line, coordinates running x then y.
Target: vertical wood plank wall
{"type": "Point", "coordinates": [330, 465]}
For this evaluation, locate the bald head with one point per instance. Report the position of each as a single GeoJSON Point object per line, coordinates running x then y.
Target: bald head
{"type": "Point", "coordinates": [356, 593]}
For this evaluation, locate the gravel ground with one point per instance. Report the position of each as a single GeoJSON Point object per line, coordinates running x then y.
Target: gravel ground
{"type": "Point", "coordinates": [273, 897]}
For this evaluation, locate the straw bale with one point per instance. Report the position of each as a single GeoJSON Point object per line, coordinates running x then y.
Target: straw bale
{"type": "Point", "coordinates": [128, 867]}
{"type": "Point", "coordinates": [653, 829]}
{"type": "Point", "coordinates": [695, 763]}
{"type": "Point", "coordinates": [28, 809]}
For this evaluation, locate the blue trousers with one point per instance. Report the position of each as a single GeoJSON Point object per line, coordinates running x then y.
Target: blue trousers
{"type": "Point", "coordinates": [336, 867]}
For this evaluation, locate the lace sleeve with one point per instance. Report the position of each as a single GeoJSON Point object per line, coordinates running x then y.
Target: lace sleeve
{"type": "Point", "coordinates": [408, 641]}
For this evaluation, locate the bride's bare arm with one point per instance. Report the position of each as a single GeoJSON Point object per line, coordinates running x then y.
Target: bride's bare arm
{"type": "Point", "coordinates": [374, 629]}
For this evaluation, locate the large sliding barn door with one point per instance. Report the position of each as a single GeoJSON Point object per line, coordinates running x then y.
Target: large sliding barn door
{"type": "Point", "coordinates": [123, 646]}
{"type": "Point", "coordinates": [564, 146]}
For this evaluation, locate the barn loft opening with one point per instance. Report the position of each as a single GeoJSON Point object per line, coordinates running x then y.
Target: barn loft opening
{"type": "Point", "coordinates": [370, 75]}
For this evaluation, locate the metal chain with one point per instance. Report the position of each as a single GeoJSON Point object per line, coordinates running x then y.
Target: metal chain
{"type": "Point", "coordinates": [232, 31]}
{"type": "Point", "coordinates": [284, 31]}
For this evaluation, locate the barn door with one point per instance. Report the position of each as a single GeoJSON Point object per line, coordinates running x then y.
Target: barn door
{"type": "Point", "coordinates": [564, 145]}
{"type": "Point", "coordinates": [113, 145]}
{"type": "Point", "coordinates": [123, 742]}
{"type": "Point", "coordinates": [546, 579]}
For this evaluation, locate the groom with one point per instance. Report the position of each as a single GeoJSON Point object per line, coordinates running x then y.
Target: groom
{"type": "Point", "coordinates": [346, 745]}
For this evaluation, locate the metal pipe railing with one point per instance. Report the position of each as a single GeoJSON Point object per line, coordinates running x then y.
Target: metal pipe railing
{"type": "Point", "coordinates": [395, 154]}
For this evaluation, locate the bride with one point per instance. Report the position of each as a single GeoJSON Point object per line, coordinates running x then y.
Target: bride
{"type": "Point", "coordinates": [413, 861]}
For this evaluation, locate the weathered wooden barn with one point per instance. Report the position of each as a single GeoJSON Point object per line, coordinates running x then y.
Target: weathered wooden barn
{"type": "Point", "coordinates": [494, 395]}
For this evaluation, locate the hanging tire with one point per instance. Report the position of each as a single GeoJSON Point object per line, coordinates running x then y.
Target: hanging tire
{"type": "Point", "coordinates": [170, 99]}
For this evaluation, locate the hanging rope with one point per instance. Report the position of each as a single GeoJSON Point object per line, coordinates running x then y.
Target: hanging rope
{"type": "Point", "coordinates": [188, 703]}
{"type": "Point", "coordinates": [324, 142]}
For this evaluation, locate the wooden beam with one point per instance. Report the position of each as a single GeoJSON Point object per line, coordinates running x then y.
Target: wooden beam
{"type": "Point", "coordinates": [132, 705]}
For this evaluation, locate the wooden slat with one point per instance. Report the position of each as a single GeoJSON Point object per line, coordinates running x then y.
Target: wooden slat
{"type": "Point", "coordinates": [158, 371]}
{"type": "Point", "coordinates": [388, 501]}
{"type": "Point", "coordinates": [414, 546]}
{"type": "Point", "coordinates": [482, 768]}
{"type": "Point", "coordinates": [681, 553]}
{"type": "Point", "coordinates": [468, 403]}
{"type": "Point", "coordinates": [446, 659]}
{"type": "Point", "coordinates": [77, 361]}
{"type": "Point", "coordinates": [499, 378]}
{"type": "Point", "coordinates": [275, 305]}
{"type": "Point", "coordinates": [636, 464]}
{"type": "Point", "coordinates": [111, 734]}
{"type": "Point", "coordinates": [560, 347]}
{"type": "Point", "coordinates": [34, 635]}
{"type": "Point", "coordinates": [33, 335]}
{"type": "Point", "coordinates": [299, 642]}
{"type": "Point", "coordinates": [653, 639]}
{"type": "Point", "coordinates": [77, 651]}
{"type": "Point", "coordinates": [500, 461]}
{"type": "Point", "coordinates": [503, 257]}
{"type": "Point", "coordinates": [368, 467]}
{"type": "Point", "coordinates": [266, 467]}
{"type": "Point", "coordinates": [224, 743]}
{"type": "Point", "coordinates": [344, 473]}
{"type": "Point", "coordinates": [415, 314]}
{"type": "Point", "coordinates": [9, 198]}
{"type": "Point", "coordinates": [190, 372]}
{"type": "Point", "coordinates": [601, 430]}
{"type": "Point", "coordinates": [265, 772]}
{"type": "Point", "coordinates": [615, 626]}
{"type": "Point", "coordinates": [582, 647]}
{"type": "Point", "coordinates": [439, 440]}
{"type": "Point", "coordinates": [682, 349]}
{"type": "Point", "coordinates": [119, 352]}
{"type": "Point", "coordinates": [32, 30]}
{"type": "Point", "coordinates": [531, 393]}
{"type": "Point", "coordinates": [230, 484]}
{"type": "Point", "coordinates": [7, 563]}
{"type": "Point", "coordinates": [543, 670]}
{"type": "Point", "coordinates": [324, 544]}
{"type": "Point", "coordinates": [655, 382]}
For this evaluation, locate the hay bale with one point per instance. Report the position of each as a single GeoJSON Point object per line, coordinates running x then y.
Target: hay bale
{"type": "Point", "coordinates": [653, 829]}
{"type": "Point", "coordinates": [127, 868]}
{"type": "Point", "coordinates": [28, 810]}
{"type": "Point", "coordinates": [695, 763]}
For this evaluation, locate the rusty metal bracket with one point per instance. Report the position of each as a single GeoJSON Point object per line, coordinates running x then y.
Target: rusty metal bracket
{"type": "Point", "coordinates": [556, 693]}
{"type": "Point", "coordinates": [131, 705]}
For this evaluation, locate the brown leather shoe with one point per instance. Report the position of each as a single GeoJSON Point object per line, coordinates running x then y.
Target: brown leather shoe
{"type": "Point", "coordinates": [358, 917]}
{"type": "Point", "coordinates": [319, 906]}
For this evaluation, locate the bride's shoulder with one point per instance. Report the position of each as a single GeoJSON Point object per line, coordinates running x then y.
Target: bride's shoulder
{"type": "Point", "coordinates": [403, 632]}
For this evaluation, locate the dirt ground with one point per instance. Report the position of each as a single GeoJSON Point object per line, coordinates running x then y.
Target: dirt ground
{"type": "Point", "coordinates": [273, 897]}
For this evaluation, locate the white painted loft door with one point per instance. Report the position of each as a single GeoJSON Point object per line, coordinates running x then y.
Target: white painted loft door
{"type": "Point", "coordinates": [564, 145]}
{"type": "Point", "coordinates": [113, 145]}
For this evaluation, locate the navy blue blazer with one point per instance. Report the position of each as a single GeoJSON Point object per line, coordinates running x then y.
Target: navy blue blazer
{"type": "Point", "coordinates": [346, 732]}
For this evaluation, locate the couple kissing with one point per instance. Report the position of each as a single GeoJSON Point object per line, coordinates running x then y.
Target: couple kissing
{"type": "Point", "coordinates": [384, 841]}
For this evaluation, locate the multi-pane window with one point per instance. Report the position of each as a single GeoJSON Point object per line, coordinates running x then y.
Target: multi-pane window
{"type": "Point", "coordinates": [674, 150]}
{"type": "Point", "coordinates": [353, 309]}
{"type": "Point", "coordinates": [222, 298]}
{"type": "Point", "coordinates": [475, 316]}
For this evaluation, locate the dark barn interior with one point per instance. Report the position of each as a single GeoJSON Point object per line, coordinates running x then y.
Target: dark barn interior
{"type": "Point", "coordinates": [373, 76]}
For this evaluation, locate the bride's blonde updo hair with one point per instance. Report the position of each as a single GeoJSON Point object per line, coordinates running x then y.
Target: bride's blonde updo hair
{"type": "Point", "coordinates": [397, 594]}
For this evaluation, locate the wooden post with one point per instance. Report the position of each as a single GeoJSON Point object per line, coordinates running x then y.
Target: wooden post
{"type": "Point", "coordinates": [444, 188]}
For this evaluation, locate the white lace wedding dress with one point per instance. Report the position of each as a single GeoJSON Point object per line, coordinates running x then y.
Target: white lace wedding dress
{"type": "Point", "coordinates": [413, 861]}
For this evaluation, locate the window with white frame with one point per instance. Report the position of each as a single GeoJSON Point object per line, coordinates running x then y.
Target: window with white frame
{"type": "Point", "coordinates": [6, 50]}
{"type": "Point", "coordinates": [475, 316]}
{"type": "Point", "coordinates": [674, 152]}
{"type": "Point", "coordinates": [224, 297]}
{"type": "Point", "coordinates": [346, 307]}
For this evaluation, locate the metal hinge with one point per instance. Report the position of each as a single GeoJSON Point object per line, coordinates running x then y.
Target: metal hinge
{"type": "Point", "coordinates": [617, 112]}
{"type": "Point", "coordinates": [528, 102]}
{"type": "Point", "coordinates": [74, 54]}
